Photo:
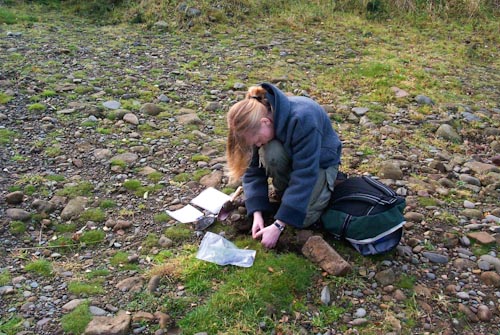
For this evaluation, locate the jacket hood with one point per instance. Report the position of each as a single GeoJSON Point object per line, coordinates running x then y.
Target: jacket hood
{"type": "Point", "coordinates": [280, 105]}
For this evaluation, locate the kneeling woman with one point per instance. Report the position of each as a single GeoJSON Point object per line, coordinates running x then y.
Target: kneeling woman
{"type": "Point", "coordinates": [289, 139]}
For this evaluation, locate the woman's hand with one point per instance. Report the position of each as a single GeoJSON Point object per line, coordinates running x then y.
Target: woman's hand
{"type": "Point", "coordinates": [270, 235]}
{"type": "Point", "coordinates": [258, 223]}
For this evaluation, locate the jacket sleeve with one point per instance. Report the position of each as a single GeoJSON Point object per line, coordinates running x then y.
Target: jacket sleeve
{"type": "Point", "coordinates": [306, 148]}
{"type": "Point", "coordinates": [255, 186]}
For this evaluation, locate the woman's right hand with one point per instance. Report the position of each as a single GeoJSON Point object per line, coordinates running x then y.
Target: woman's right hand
{"type": "Point", "coordinates": [258, 223]}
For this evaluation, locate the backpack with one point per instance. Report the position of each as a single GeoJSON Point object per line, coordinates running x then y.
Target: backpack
{"type": "Point", "coordinates": [366, 213]}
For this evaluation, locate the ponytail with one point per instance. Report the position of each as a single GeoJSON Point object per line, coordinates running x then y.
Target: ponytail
{"type": "Point", "coordinates": [242, 118]}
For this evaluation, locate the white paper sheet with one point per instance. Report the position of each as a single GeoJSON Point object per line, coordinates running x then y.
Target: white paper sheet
{"type": "Point", "coordinates": [186, 214]}
{"type": "Point", "coordinates": [211, 200]}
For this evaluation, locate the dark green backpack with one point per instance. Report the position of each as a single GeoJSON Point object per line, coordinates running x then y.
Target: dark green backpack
{"type": "Point", "coordinates": [366, 213]}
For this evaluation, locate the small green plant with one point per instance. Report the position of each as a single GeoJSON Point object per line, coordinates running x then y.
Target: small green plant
{"type": "Point", "coordinates": [12, 325]}
{"type": "Point", "coordinates": [65, 228]}
{"type": "Point", "coordinates": [406, 282]}
{"type": "Point", "coordinates": [120, 260]}
{"type": "Point", "coordinates": [92, 237]}
{"type": "Point", "coordinates": [29, 189]}
{"type": "Point", "coordinates": [482, 249]}
{"type": "Point", "coordinates": [62, 243]}
{"type": "Point", "coordinates": [82, 189]}
{"type": "Point", "coordinates": [161, 218]}
{"type": "Point", "coordinates": [37, 107]}
{"type": "Point", "coordinates": [4, 98]}
{"type": "Point", "coordinates": [150, 241]}
{"type": "Point", "coordinates": [6, 135]}
{"type": "Point", "coordinates": [53, 151]}
{"type": "Point", "coordinates": [119, 163]}
{"type": "Point", "coordinates": [182, 177]}
{"type": "Point", "coordinates": [327, 315]}
{"type": "Point", "coordinates": [104, 131]}
{"type": "Point", "coordinates": [155, 176]}
{"type": "Point", "coordinates": [200, 158]}
{"type": "Point", "coordinates": [178, 233]}
{"type": "Point", "coordinates": [97, 273]}
{"type": "Point", "coordinates": [89, 123]}
{"type": "Point", "coordinates": [107, 203]}
{"type": "Point", "coordinates": [85, 288]}
{"type": "Point", "coordinates": [41, 267]}
{"type": "Point", "coordinates": [77, 320]}
{"type": "Point", "coordinates": [55, 177]}
{"type": "Point", "coordinates": [48, 93]}
{"type": "Point", "coordinates": [93, 214]}
{"type": "Point", "coordinates": [132, 184]}
{"type": "Point", "coordinates": [198, 174]}
{"type": "Point", "coordinates": [4, 277]}
{"type": "Point", "coordinates": [427, 201]}
{"type": "Point", "coordinates": [17, 227]}
{"type": "Point", "coordinates": [19, 158]}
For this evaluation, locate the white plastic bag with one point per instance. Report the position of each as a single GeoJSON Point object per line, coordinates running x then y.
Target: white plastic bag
{"type": "Point", "coordinates": [216, 249]}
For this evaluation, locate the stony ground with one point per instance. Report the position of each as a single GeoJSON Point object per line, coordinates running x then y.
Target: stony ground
{"type": "Point", "coordinates": [90, 109]}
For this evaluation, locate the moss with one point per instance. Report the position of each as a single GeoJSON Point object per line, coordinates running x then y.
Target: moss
{"type": "Point", "coordinates": [93, 214]}
{"type": "Point", "coordinates": [92, 237]}
{"type": "Point", "coordinates": [17, 227]}
{"type": "Point", "coordinates": [40, 267]}
{"type": "Point", "coordinates": [77, 320]}
{"type": "Point", "coordinates": [178, 233]}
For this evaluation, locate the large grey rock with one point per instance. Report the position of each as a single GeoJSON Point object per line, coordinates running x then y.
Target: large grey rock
{"type": "Point", "coordinates": [74, 208]}
{"type": "Point", "coordinates": [118, 325]}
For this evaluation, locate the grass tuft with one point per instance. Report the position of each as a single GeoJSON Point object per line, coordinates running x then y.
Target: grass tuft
{"type": "Point", "coordinates": [76, 321]}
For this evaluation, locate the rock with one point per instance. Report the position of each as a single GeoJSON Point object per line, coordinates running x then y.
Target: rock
{"type": "Point", "coordinates": [43, 206]}
{"type": "Point", "coordinates": [212, 180]}
{"type": "Point", "coordinates": [491, 278]}
{"type": "Point", "coordinates": [126, 157]}
{"type": "Point", "coordinates": [360, 111]}
{"type": "Point", "coordinates": [325, 296]}
{"type": "Point", "coordinates": [190, 118]}
{"type": "Point", "coordinates": [414, 217]}
{"type": "Point", "coordinates": [484, 313]}
{"type": "Point", "coordinates": [68, 307]}
{"type": "Point", "coordinates": [493, 261]}
{"type": "Point", "coordinates": [390, 170]}
{"type": "Point", "coordinates": [14, 198]}
{"type": "Point", "coordinates": [165, 242]}
{"type": "Point", "coordinates": [18, 214]}
{"type": "Point", "coordinates": [74, 208]}
{"type": "Point", "coordinates": [102, 154]}
{"type": "Point", "coordinates": [468, 313]}
{"type": "Point", "coordinates": [447, 132]}
{"type": "Point", "coordinates": [424, 100]}
{"type": "Point", "coordinates": [153, 283]}
{"type": "Point", "coordinates": [163, 319]}
{"type": "Point", "coordinates": [118, 325]}
{"type": "Point", "coordinates": [112, 104]}
{"type": "Point", "coordinates": [132, 284]}
{"type": "Point", "coordinates": [481, 168]}
{"type": "Point", "coordinates": [213, 106]}
{"type": "Point", "coordinates": [472, 213]}
{"type": "Point", "coordinates": [436, 258]}
{"type": "Point", "coordinates": [151, 109]}
{"type": "Point", "coordinates": [386, 277]}
{"type": "Point", "coordinates": [320, 252]}
{"type": "Point", "coordinates": [143, 316]}
{"type": "Point", "coordinates": [482, 237]}
{"type": "Point", "coordinates": [399, 93]}
{"type": "Point", "coordinates": [131, 118]}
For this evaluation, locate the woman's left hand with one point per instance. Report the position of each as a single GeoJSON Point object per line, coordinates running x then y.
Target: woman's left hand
{"type": "Point", "coordinates": [270, 236]}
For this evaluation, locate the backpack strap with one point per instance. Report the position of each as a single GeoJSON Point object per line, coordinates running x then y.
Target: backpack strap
{"type": "Point", "coordinates": [382, 187]}
{"type": "Point", "coordinates": [369, 198]}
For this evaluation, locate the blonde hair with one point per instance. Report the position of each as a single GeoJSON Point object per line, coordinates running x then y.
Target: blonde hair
{"type": "Point", "coordinates": [244, 116]}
